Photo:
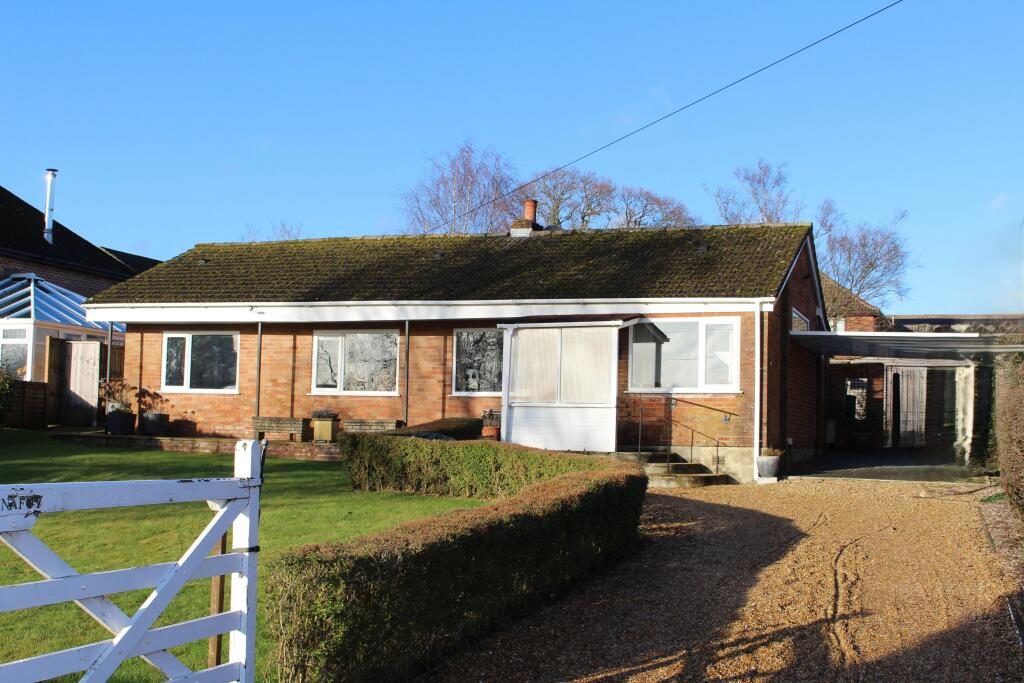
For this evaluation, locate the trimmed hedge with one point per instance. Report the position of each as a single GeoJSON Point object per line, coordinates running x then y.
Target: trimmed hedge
{"type": "Point", "coordinates": [382, 607]}
{"type": "Point", "coordinates": [1009, 426]}
{"type": "Point", "coordinates": [456, 427]}
{"type": "Point", "coordinates": [474, 469]}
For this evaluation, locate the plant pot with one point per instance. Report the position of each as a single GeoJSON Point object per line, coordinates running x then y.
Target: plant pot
{"type": "Point", "coordinates": [768, 465]}
{"type": "Point", "coordinates": [155, 424]}
{"type": "Point", "coordinates": [325, 430]}
{"type": "Point", "coordinates": [490, 432]}
{"type": "Point", "coordinates": [121, 423]}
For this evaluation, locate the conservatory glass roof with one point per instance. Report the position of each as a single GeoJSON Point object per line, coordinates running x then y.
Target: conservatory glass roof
{"type": "Point", "coordinates": [26, 296]}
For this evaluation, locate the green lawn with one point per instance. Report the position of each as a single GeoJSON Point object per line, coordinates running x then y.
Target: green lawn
{"type": "Point", "coordinates": [302, 502]}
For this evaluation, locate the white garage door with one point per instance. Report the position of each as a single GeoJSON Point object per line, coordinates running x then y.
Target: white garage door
{"type": "Point", "coordinates": [562, 386]}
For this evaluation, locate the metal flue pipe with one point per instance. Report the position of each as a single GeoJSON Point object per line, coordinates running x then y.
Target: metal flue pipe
{"type": "Point", "coordinates": [51, 176]}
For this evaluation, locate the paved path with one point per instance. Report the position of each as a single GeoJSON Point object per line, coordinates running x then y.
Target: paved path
{"type": "Point", "coordinates": [800, 581]}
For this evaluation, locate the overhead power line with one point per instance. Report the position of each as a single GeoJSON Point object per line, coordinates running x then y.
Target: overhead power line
{"type": "Point", "coordinates": [670, 114]}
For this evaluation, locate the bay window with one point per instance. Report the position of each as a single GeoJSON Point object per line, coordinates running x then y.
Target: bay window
{"type": "Point", "coordinates": [200, 362]}
{"type": "Point", "coordinates": [476, 363]}
{"type": "Point", "coordinates": [355, 362]}
{"type": "Point", "coordinates": [699, 355]}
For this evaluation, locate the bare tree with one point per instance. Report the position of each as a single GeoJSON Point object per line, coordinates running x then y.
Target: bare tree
{"type": "Point", "coordinates": [573, 199]}
{"type": "Point", "coordinates": [868, 259]}
{"type": "Point", "coordinates": [763, 196]}
{"type": "Point", "coordinates": [464, 191]}
{"type": "Point", "coordinates": [639, 208]}
{"type": "Point", "coordinates": [278, 231]}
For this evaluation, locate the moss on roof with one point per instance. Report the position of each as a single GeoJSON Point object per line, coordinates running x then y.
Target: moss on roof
{"type": "Point", "coordinates": [728, 261]}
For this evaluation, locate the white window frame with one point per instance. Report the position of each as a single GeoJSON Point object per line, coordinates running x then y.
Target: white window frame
{"type": "Point", "coordinates": [796, 313]}
{"type": "Point", "coordinates": [339, 391]}
{"type": "Point", "coordinates": [28, 340]}
{"type": "Point", "coordinates": [186, 389]}
{"type": "Point", "coordinates": [558, 371]}
{"type": "Point", "coordinates": [455, 356]}
{"type": "Point", "coordinates": [702, 387]}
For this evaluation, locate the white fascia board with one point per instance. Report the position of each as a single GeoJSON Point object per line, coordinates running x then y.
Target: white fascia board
{"type": "Point", "coordinates": [364, 311]}
{"type": "Point", "coordinates": [888, 335]}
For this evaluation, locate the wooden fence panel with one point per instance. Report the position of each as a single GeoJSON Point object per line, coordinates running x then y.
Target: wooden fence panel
{"type": "Point", "coordinates": [28, 407]}
{"type": "Point", "coordinates": [55, 378]}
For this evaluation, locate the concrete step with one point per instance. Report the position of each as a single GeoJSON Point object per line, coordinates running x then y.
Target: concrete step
{"type": "Point", "coordinates": [648, 457]}
{"type": "Point", "coordinates": [676, 468]}
{"type": "Point", "coordinates": [686, 481]}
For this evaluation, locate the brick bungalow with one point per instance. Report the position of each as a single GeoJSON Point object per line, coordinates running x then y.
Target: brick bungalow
{"type": "Point", "coordinates": [596, 340]}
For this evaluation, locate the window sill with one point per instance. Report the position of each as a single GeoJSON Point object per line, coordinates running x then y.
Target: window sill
{"type": "Point", "coordinates": [186, 390]}
{"type": "Point", "coordinates": [352, 393]}
{"type": "Point", "coordinates": [475, 394]}
{"type": "Point", "coordinates": [561, 405]}
{"type": "Point", "coordinates": [688, 392]}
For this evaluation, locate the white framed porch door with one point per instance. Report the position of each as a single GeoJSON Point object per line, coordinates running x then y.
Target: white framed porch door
{"type": "Point", "coordinates": [561, 385]}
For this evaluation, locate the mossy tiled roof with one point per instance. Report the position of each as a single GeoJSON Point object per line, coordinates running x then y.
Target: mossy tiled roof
{"type": "Point", "coordinates": [729, 261]}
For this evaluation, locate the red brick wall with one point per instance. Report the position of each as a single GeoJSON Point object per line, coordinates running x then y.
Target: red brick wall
{"type": "Point", "coordinates": [286, 377]}
{"type": "Point", "coordinates": [858, 322]}
{"type": "Point", "coordinates": [697, 419]}
{"type": "Point", "coordinates": [80, 283]}
{"type": "Point", "coordinates": [801, 368]}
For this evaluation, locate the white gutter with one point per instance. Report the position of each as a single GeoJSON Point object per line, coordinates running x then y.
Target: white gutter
{"type": "Point", "coordinates": [757, 387]}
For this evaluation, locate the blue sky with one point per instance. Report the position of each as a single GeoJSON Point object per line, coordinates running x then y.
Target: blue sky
{"type": "Point", "coordinates": [179, 123]}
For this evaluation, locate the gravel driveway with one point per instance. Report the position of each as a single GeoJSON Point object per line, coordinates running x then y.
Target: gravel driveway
{"type": "Point", "coordinates": [799, 581]}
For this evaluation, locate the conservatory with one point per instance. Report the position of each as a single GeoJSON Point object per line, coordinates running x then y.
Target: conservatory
{"type": "Point", "coordinates": [32, 309]}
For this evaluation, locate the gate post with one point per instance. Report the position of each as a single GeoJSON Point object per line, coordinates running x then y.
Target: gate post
{"type": "Point", "coordinates": [245, 542]}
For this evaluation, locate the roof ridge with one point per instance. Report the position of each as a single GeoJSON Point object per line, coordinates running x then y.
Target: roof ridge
{"type": "Point", "coordinates": [495, 235]}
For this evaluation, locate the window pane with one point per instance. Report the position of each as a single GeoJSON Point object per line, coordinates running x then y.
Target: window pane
{"type": "Point", "coordinates": [678, 366]}
{"type": "Point", "coordinates": [718, 354]}
{"type": "Point", "coordinates": [478, 360]}
{"type": "Point", "coordinates": [535, 365]}
{"type": "Point", "coordinates": [328, 362]}
{"type": "Point", "coordinates": [371, 362]}
{"type": "Point", "coordinates": [799, 324]}
{"type": "Point", "coordinates": [14, 359]}
{"type": "Point", "coordinates": [214, 360]}
{"type": "Point", "coordinates": [174, 369]}
{"type": "Point", "coordinates": [646, 355]}
{"type": "Point", "coordinates": [586, 365]}
{"type": "Point", "coordinates": [14, 333]}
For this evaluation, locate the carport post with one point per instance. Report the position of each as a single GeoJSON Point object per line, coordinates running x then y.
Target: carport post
{"type": "Point", "coordinates": [757, 386]}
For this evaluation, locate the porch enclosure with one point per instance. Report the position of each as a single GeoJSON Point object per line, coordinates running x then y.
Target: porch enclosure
{"type": "Point", "coordinates": [561, 391]}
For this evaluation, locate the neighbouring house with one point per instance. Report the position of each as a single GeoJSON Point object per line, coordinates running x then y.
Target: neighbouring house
{"type": "Point", "coordinates": [937, 402]}
{"type": "Point", "coordinates": [29, 243]}
{"type": "Point", "coordinates": [46, 272]}
{"type": "Point", "coordinates": [590, 340]}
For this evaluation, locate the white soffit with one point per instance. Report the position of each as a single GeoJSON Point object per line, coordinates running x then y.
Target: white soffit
{"type": "Point", "coordinates": [356, 311]}
{"type": "Point", "coordinates": [941, 345]}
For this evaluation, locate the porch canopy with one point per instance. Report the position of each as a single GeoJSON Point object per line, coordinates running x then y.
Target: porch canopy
{"type": "Point", "coordinates": [937, 345]}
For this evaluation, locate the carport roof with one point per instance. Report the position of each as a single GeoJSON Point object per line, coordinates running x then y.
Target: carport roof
{"type": "Point", "coordinates": [940, 345]}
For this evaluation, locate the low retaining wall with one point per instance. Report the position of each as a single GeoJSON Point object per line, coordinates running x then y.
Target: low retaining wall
{"type": "Point", "coordinates": [297, 450]}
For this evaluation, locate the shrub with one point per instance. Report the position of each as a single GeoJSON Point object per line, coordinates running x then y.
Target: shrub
{"type": "Point", "coordinates": [456, 427]}
{"type": "Point", "coordinates": [1009, 424]}
{"type": "Point", "coordinates": [6, 391]}
{"type": "Point", "coordinates": [381, 607]}
{"type": "Point", "coordinates": [476, 469]}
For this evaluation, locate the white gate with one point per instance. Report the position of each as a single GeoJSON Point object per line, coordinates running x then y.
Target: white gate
{"type": "Point", "coordinates": [236, 504]}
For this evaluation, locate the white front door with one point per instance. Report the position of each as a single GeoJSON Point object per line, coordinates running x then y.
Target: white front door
{"type": "Point", "coordinates": [560, 386]}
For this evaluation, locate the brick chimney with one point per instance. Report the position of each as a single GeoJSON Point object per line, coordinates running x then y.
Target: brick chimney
{"type": "Point", "coordinates": [527, 225]}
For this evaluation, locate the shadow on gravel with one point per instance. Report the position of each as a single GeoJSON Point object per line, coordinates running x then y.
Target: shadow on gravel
{"type": "Point", "coordinates": [661, 612]}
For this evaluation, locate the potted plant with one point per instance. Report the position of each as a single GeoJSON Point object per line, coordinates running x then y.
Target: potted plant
{"type": "Point", "coordinates": [118, 395]}
{"type": "Point", "coordinates": [769, 462]}
{"type": "Point", "coordinates": [492, 424]}
{"type": "Point", "coordinates": [155, 419]}
{"type": "Point", "coordinates": [325, 425]}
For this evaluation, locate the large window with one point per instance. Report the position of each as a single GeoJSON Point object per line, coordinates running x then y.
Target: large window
{"type": "Point", "coordinates": [201, 362]}
{"type": "Point", "coordinates": [565, 366]}
{"type": "Point", "coordinates": [357, 362]}
{"type": "Point", "coordinates": [698, 355]}
{"type": "Point", "coordinates": [477, 362]}
{"type": "Point", "coordinates": [14, 351]}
